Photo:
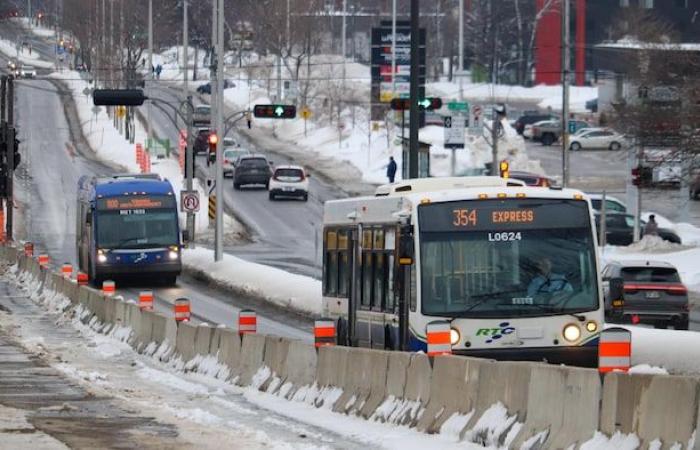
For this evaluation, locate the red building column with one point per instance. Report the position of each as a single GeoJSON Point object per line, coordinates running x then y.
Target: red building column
{"type": "Point", "coordinates": [548, 46]}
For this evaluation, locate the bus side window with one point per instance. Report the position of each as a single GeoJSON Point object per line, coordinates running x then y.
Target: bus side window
{"type": "Point", "coordinates": [390, 270]}
{"type": "Point", "coordinates": [343, 264]}
{"type": "Point", "coordinates": [379, 281]}
{"type": "Point", "coordinates": [330, 284]}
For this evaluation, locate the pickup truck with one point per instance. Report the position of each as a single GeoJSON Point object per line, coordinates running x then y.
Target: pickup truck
{"type": "Point", "coordinates": [549, 132]}
{"type": "Point", "coordinates": [202, 115]}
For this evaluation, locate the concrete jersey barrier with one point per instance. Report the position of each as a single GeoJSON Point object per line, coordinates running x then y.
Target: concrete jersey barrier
{"type": "Point", "coordinates": [558, 407]}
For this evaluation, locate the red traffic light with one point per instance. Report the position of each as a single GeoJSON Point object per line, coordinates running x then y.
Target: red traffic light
{"type": "Point", "coordinates": [213, 140]}
{"type": "Point", "coordinates": [275, 111]}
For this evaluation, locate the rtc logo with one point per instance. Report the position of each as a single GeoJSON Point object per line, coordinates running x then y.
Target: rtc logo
{"type": "Point", "coordinates": [494, 334]}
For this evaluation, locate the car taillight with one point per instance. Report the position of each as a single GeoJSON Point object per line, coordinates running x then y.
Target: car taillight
{"type": "Point", "coordinates": [226, 161]}
{"type": "Point", "coordinates": [677, 290]}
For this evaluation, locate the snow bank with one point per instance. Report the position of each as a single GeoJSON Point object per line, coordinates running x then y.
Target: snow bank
{"type": "Point", "coordinates": [24, 56]}
{"type": "Point", "coordinates": [677, 352]}
{"type": "Point", "coordinates": [277, 286]}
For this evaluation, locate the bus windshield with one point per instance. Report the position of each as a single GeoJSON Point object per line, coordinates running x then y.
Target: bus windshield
{"type": "Point", "coordinates": [131, 229]}
{"type": "Point", "coordinates": [505, 258]}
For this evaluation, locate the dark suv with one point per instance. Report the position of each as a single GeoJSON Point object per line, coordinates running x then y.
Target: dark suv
{"type": "Point", "coordinates": [529, 119]}
{"type": "Point", "coordinates": [252, 169]}
{"type": "Point", "coordinates": [652, 292]}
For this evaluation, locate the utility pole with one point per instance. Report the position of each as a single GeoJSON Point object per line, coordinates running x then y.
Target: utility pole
{"type": "Point", "coordinates": [495, 126]}
{"type": "Point", "coordinates": [29, 12]}
{"type": "Point", "coordinates": [415, 67]}
{"type": "Point", "coordinates": [460, 57]}
{"type": "Point", "coordinates": [566, 66]}
{"type": "Point", "coordinates": [219, 234]}
{"type": "Point", "coordinates": [10, 140]}
{"type": "Point", "coordinates": [343, 42]}
{"type": "Point", "coordinates": [393, 47]}
{"type": "Point", "coordinates": [189, 167]}
{"type": "Point", "coordinates": [111, 43]}
{"type": "Point", "coordinates": [150, 71]}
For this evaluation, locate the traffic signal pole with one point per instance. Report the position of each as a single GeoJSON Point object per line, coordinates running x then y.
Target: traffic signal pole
{"type": "Point", "coordinates": [414, 114]}
{"type": "Point", "coordinates": [10, 139]}
{"type": "Point", "coordinates": [189, 168]}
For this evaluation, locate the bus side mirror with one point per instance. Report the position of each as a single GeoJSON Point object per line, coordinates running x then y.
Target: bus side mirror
{"type": "Point", "coordinates": [185, 235]}
{"type": "Point", "coordinates": [617, 296]}
{"type": "Point", "coordinates": [406, 249]}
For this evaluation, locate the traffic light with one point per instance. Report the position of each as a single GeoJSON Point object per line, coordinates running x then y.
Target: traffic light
{"type": "Point", "coordinates": [213, 141]}
{"type": "Point", "coordinates": [504, 169]}
{"type": "Point", "coordinates": [424, 104]}
{"type": "Point", "coordinates": [637, 176]}
{"type": "Point", "coordinates": [118, 97]}
{"type": "Point", "coordinates": [275, 111]}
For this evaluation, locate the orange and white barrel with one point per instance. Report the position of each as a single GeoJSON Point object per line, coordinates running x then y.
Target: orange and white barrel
{"type": "Point", "coordinates": [615, 350]}
{"type": "Point", "coordinates": [109, 287]}
{"type": "Point", "coordinates": [82, 278]}
{"type": "Point", "coordinates": [67, 270]}
{"type": "Point", "coordinates": [324, 332]}
{"type": "Point", "coordinates": [182, 310]}
{"type": "Point", "coordinates": [438, 335]}
{"type": "Point", "coordinates": [247, 322]}
{"type": "Point", "coordinates": [29, 249]}
{"type": "Point", "coordinates": [146, 300]}
{"type": "Point", "coordinates": [43, 260]}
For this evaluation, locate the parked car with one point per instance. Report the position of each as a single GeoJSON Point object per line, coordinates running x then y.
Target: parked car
{"type": "Point", "coordinates": [549, 132]}
{"type": "Point", "coordinates": [612, 204]}
{"type": "Point", "coordinates": [231, 155]}
{"type": "Point", "coordinates": [529, 119]}
{"type": "Point", "coordinates": [652, 292]}
{"type": "Point", "coordinates": [289, 181]}
{"type": "Point", "coordinates": [206, 88]}
{"type": "Point", "coordinates": [27, 72]}
{"type": "Point", "coordinates": [619, 229]}
{"type": "Point", "coordinates": [532, 179]}
{"type": "Point", "coordinates": [695, 187]}
{"type": "Point", "coordinates": [201, 115]}
{"type": "Point", "coordinates": [201, 141]}
{"type": "Point", "coordinates": [252, 169]}
{"type": "Point", "coordinates": [600, 139]}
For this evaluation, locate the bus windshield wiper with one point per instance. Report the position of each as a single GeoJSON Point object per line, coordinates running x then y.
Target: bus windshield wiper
{"type": "Point", "coordinates": [485, 298]}
{"type": "Point", "coordinates": [546, 307]}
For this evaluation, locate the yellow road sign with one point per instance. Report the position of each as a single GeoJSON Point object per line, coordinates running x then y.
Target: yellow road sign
{"type": "Point", "coordinates": [306, 113]}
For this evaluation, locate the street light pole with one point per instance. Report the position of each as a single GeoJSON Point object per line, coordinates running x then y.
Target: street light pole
{"type": "Point", "coordinates": [566, 66]}
{"type": "Point", "coordinates": [185, 44]}
{"type": "Point", "coordinates": [460, 57]}
{"type": "Point", "coordinates": [150, 70]}
{"type": "Point", "coordinates": [343, 42]}
{"type": "Point", "coordinates": [29, 12]}
{"type": "Point", "coordinates": [393, 48]}
{"type": "Point", "coordinates": [219, 234]}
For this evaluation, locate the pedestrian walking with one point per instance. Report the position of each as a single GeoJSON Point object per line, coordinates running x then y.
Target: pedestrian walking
{"type": "Point", "coordinates": [391, 169]}
{"type": "Point", "coordinates": [652, 227]}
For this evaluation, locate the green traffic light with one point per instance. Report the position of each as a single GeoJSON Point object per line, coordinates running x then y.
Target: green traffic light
{"type": "Point", "coordinates": [279, 111]}
{"type": "Point", "coordinates": [425, 103]}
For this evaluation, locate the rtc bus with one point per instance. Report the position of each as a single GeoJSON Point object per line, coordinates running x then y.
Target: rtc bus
{"type": "Point", "coordinates": [514, 270]}
{"type": "Point", "coordinates": [127, 225]}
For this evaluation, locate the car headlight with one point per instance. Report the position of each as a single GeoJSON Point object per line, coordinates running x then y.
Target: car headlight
{"type": "Point", "coordinates": [571, 332]}
{"type": "Point", "coordinates": [454, 336]}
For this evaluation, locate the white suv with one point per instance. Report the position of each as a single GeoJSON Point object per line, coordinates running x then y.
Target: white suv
{"type": "Point", "coordinates": [292, 181]}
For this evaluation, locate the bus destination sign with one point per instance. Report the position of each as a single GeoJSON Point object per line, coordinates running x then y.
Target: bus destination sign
{"type": "Point", "coordinates": [130, 203]}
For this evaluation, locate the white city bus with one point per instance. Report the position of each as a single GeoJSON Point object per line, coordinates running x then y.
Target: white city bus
{"type": "Point", "coordinates": [473, 251]}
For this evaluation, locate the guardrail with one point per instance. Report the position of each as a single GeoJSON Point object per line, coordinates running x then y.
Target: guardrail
{"type": "Point", "coordinates": [548, 406]}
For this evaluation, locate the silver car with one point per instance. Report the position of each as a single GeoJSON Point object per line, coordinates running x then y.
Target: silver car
{"type": "Point", "coordinates": [202, 115]}
{"type": "Point", "coordinates": [231, 154]}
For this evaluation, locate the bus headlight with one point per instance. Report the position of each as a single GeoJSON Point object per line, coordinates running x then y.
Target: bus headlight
{"type": "Point", "coordinates": [173, 254]}
{"type": "Point", "coordinates": [101, 257]}
{"type": "Point", "coordinates": [571, 332]}
{"type": "Point", "coordinates": [454, 336]}
{"type": "Point", "coordinates": [592, 326]}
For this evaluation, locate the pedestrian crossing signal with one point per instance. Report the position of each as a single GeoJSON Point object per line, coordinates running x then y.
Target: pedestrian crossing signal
{"type": "Point", "coordinates": [275, 111]}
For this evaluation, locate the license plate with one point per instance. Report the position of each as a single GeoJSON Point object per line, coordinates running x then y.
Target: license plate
{"type": "Point", "coordinates": [653, 294]}
{"type": "Point", "coordinates": [287, 189]}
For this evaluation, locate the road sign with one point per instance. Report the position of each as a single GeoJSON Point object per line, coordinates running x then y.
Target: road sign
{"type": "Point", "coordinates": [306, 113]}
{"type": "Point", "coordinates": [476, 123]}
{"type": "Point", "coordinates": [454, 131]}
{"type": "Point", "coordinates": [190, 201]}
{"type": "Point", "coordinates": [458, 106]}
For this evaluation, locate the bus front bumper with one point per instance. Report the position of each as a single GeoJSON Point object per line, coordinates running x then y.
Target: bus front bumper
{"type": "Point", "coordinates": [580, 356]}
{"type": "Point", "coordinates": [166, 268]}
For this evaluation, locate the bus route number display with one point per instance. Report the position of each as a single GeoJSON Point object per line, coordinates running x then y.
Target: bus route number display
{"type": "Point", "coordinates": [468, 217]}
{"type": "Point", "coordinates": [134, 203]}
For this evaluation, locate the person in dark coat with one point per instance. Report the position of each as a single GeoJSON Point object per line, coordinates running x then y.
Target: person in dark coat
{"type": "Point", "coordinates": [391, 169]}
